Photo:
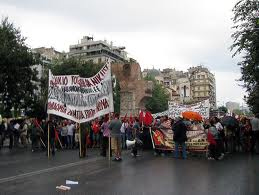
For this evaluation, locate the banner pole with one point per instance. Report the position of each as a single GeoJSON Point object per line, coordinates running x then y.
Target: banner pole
{"type": "Point", "coordinates": [48, 136]}
{"type": "Point", "coordinates": [60, 143]}
{"type": "Point", "coordinates": [150, 132]}
{"type": "Point", "coordinates": [80, 142]}
{"type": "Point", "coordinates": [109, 137]}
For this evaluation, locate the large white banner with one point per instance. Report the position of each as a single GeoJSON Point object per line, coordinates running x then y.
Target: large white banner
{"type": "Point", "coordinates": [176, 110]}
{"type": "Point", "coordinates": [81, 99]}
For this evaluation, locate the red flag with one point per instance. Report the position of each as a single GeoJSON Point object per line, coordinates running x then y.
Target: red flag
{"type": "Point", "coordinates": [125, 117]}
{"type": "Point", "coordinates": [141, 117]}
{"type": "Point", "coordinates": [148, 119]}
{"type": "Point", "coordinates": [131, 118]}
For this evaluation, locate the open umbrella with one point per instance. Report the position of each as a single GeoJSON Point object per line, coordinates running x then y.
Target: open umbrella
{"type": "Point", "coordinates": [192, 115]}
{"type": "Point", "coordinates": [229, 121]}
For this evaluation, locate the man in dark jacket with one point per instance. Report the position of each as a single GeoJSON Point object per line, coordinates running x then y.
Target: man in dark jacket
{"type": "Point", "coordinates": [180, 137]}
{"type": "Point", "coordinates": [2, 130]}
{"type": "Point", "coordinates": [52, 136]}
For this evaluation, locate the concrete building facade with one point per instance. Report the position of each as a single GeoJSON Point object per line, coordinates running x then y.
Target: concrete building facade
{"type": "Point", "coordinates": [203, 85]}
{"type": "Point", "coordinates": [195, 85]}
{"type": "Point", "coordinates": [97, 51]}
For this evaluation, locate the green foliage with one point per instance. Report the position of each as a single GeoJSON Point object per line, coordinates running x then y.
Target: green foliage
{"type": "Point", "coordinates": [246, 42]}
{"type": "Point", "coordinates": [160, 98]}
{"type": "Point", "coordinates": [223, 109]}
{"type": "Point", "coordinates": [238, 112]}
{"type": "Point", "coordinates": [17, 78]}
{"type": "Point", "coordinates": [75, 66]}
{"type": "Point", "coordinates": [116, 96]}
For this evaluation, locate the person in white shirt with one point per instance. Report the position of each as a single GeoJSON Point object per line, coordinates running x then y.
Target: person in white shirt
{"type": "Point", "coordinates": [124, 128]}
{"type": "Point", "coordinates": [70, 133]}
{"type": "Point", "coordinates": [64, 131]}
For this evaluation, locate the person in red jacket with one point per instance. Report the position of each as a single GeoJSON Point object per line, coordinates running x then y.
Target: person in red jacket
{"type": "Point", "coordinates": [96, 132]}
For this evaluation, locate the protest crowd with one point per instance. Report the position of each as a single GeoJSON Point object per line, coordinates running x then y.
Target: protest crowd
{"type": "Point", "coordinates": [223, 135]}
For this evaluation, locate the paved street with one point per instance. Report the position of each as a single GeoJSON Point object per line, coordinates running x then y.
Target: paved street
{"type": "Point", "coordinates": [22, 172]}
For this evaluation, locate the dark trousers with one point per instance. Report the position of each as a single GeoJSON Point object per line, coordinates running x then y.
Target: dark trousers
{"type": "Point", "coordinates": [83, 146]}
{"type": "Point", "coordinates": [220, 145]}
{"type": "Point", "coordinates": [255, 142]}
{"type": "Point", "coordinates": [1, 140]}
{"type": "Point", "coordinates": [34, 142]}
{"type": "Point", "coordinates": [64, 141]}
{"type": "Point", "coordinates": [134, 150]}
{"type": "Point", "coordinates": [105, 146]}
{"type": "Point", "coordinates": [51, 146]}
{"type": "Point", "coordinates": [214, 151]}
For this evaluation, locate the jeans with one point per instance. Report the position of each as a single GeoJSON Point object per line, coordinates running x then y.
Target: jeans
{"type": "Point", "coordinates": [176, 149]}
{"type": "Point", "coordinates": [70, 141]}
{"type": "Point", "coordinates": [255, 142]}
{"type": "Point", "coordinates": [123, 140]}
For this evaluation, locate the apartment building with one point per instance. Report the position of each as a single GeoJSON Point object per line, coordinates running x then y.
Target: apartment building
{"type": "Point", "coordinates": [97, 51]}
{"type": "Point", "coordinates": [203, 85]}
{"type": "Point", "coordinates": [195, 85]}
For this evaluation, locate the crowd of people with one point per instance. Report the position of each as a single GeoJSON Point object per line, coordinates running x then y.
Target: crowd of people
{"type": "Point", "coordinates": [65, 134]}
{"type": "Point", "coordinates": [242, 135]}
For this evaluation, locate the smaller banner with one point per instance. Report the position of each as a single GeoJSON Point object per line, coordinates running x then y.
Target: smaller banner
{"type": "Point", "coordinates": [81, 99]}
{"type": "Point", "coordinates": [196, 139]}
{"type": "Point", "coordinates": [176, 110]}
{"type": "Point", "coordinates": [203, 108]}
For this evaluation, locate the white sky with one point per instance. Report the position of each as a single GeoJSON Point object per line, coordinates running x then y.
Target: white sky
{"type": "Point", "coordinates": [164, 34]}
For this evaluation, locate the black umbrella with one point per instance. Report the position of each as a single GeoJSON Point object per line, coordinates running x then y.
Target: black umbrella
{"type": "Point", "coordinates": [229, 121]}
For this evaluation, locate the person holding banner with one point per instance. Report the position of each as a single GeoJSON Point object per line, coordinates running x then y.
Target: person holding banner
{"type": "Point", "coordinates": [115, 130]}
{"type": "Point", "coordinates": [106, 135]}
{"type": "Point", "coordinates": [180, 137]}
{"type": "Point", "coordinates": [52, 136]}
{"type": "Point", "coordinates": [84, 128]}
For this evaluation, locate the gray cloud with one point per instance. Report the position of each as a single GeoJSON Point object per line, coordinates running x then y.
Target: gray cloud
{"type": "Point", "coordinates": [165, 33]}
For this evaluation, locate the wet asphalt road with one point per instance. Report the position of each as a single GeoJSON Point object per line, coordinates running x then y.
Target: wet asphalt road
{"type": "Point", "coordinates": [24, 173]}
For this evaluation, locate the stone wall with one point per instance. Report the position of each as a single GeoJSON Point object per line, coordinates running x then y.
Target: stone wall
{"type": "Point", "coordinates": [135, 91]}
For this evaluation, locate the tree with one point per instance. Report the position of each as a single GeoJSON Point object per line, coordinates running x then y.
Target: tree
{"type": "Point", "coordinates": [17, 77]}
{"type": "Point", "coordinates": [223, 109]}
{"type": "Point", "coordinates": [116, 96]}
{"type": "Point", "coordinates": [159, 100]}
{"type": "Point", "coordinates": [75, 66]}
{"type": "Point", "coordinates": [246, 43]}
{"type": "Point", "coordinates": [238, 112]}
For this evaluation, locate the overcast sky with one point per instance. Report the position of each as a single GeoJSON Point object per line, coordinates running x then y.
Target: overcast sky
{"type": "Point", "coordinates": [160, 34]}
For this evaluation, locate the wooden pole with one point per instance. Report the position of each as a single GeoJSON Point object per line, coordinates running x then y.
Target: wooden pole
{"type": "Point", "coordinates": [42, 143]}
{"type": "Point", "coordinates": [48, 138]}
{"type": "Point", "coordinates": [60, 143]}
{"type": "Point", "coordinates": [80, 143]}
{"type": "Point", "coordinates": [150, 132]}
{"type": "Point", "coordinates": [109, 137]}
{"type": "Point", "coordinates": [109, 148]}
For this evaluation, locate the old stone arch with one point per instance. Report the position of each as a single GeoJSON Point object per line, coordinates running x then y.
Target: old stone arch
{"type": "Point", "coordinates": [134, 90]}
